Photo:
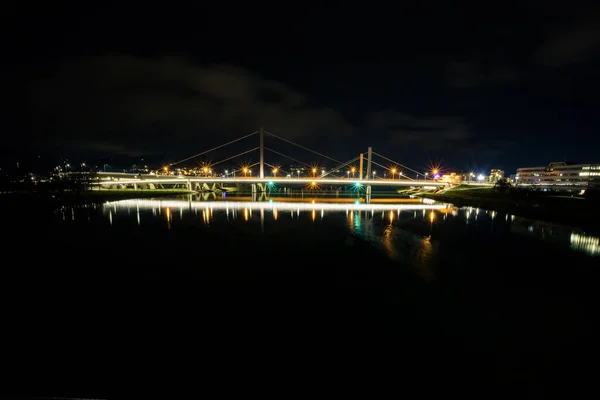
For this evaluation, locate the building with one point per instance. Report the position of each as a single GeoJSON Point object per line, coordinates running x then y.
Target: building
{"type": "Point", "coordinates": [560, 176]}
{"type": "Point", "coordinates": [452, 177]}
{"type": "Point", "coordinates": [495, 175]}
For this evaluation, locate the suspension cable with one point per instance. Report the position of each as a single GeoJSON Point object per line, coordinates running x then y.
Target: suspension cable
{"type": "Point", "coordinates": [302, 147]}
{"type": "Point", "coordinates": [279, 168]}
{"type": "Point", "coordinates": [214, 148]}
{"type": "Point", "coordinates": [341, 166]}
{"type": "Point", "coordinates": [373, 162]}
{"type": "Point", "coordinates": [397, 163]}
{"type": "Point", "coordinates": [283, 155]}
{"type": "Point", "coordinates": [237, 155]}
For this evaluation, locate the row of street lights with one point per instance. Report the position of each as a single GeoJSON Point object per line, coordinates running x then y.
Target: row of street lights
{"type": "Point", "coordinates": [248, 172]}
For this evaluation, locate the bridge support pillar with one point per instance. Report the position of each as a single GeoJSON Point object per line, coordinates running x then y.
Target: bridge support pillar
{"type": "Point", "coordinates": [134, 185]}
{"type": "Point", "coordinates": [262, 153]}
{"type": "Point", "coordinates": [369, 157]}
{"type": "Point", "coordinates": [189, 184]}
{"type": "Point", "coordinates": [368, 195]}
{"type": "Point", "coordinates": [253, 187]}
{"type": "Point", "coordinates": [360, 168]}
{"type": "Point", "coordinates": [368, 190]}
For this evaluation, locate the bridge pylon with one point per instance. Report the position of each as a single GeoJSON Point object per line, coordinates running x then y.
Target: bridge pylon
{"type": "Point", "coordinates": [369, 157]}
{"type": "Point", "coordinates": [262, 152]}
{"type": "Point", "coordinates": [360, 167]}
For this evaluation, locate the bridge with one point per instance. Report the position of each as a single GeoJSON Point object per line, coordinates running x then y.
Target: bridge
{"type": "Point", "coordinates": [204, 178]}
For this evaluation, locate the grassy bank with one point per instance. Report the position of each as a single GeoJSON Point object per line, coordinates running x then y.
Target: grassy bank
{"type": "Point", "coordinates": [568, 209]}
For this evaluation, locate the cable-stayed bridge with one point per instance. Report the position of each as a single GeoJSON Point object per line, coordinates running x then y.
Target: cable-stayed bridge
{"type": "Point", "coordinates": [344, 173]}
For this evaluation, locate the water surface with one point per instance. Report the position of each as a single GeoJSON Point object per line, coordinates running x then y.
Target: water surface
{"type": "Point", "coordinates": [400, 273]}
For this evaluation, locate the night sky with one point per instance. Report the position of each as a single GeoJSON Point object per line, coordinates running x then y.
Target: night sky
{"type": "Point", "coordinates": [468, 85]}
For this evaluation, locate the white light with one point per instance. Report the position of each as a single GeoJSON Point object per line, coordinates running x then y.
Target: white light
{"type": "Point", "coordinates": [225, 205]}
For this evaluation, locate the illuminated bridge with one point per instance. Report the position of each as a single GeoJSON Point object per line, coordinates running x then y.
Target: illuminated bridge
{"type": "Point", "coordinates": [362, 176]}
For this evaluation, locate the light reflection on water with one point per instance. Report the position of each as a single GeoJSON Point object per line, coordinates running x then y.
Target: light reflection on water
{"type": "Point", "coordinates": [382, 223]}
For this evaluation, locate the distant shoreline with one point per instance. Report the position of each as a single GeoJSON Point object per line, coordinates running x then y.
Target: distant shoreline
{"type": "Point", "coordinates": [570, 210]}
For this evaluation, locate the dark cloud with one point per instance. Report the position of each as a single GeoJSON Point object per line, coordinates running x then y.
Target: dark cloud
{"type": "Point", "coordinates": [569, 47]}
{"type": "Point", "coordinates": [432, 133]}
{"type": "Point", "coordinates": [468, 74]}
{"type": "Point", "coordinates": [574, 42]}
{"type": "Point", "coordinates": [439, 135]}
{"type": "Point", "coordinates": [130, 104]}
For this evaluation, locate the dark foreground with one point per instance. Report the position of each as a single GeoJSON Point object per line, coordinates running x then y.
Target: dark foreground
{"type": "Point", "coordinates": [317, 310]}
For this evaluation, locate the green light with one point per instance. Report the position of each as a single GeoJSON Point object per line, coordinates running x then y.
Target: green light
{"type": "Point", "coordinates": [357, 202]}
{"type": "Point", "coordinates": [357, 184]}
{"type": "Point", "coordinates": [271, 183]}
{"type": "Point", "coordinates": [271, 201]}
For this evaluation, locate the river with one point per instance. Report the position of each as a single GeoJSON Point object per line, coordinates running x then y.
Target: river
{"type": "Point", "coordinates": [514, 297]}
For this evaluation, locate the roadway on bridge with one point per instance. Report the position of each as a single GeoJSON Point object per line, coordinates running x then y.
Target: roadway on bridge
{"type": "Point", "coordinates": [274, 180]}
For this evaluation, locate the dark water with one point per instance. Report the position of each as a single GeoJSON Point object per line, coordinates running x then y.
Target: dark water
{"type": "Point", "coordinates": [462, 299]}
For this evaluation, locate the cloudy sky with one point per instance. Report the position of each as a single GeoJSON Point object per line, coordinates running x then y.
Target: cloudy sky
{"type": "Point", "coordinates": [462, 84]}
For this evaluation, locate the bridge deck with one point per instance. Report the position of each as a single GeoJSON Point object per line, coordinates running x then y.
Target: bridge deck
{"type": "Point", "coordinates": [274, 180]}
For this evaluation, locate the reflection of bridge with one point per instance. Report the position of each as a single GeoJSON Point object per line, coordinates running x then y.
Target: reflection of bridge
{"type": "Point", "coordinates": [203, 177]}
{"type": "Point", "coordinates": [189, 205]}
{"type": "Point", "coordinates": [273, 209]}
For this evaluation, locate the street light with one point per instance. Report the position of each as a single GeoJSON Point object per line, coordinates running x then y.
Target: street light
{"type": "Point", "coordinates": [245, 171]}
{"type": "Point", "coordinates": [314, 172]}
{"type": "Point", "coordinates": [348, 172]}
{"type": "Point", "coordinates": [275, 171]}
{"type": "Point", "coordinates": [373, 174]}
{"type": "Point", "coordinates": [353, 171]}
{"type": "Point", "coordinates": [425, 175]}
{"type": "Point", "coordinates": [393, 171]}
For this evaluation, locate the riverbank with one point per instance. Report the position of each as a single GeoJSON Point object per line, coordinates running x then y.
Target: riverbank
{"type": "Point", "coordinates": [568, 209]}
{"type": "Point", "coordinates": [91, 196]}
